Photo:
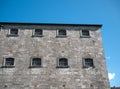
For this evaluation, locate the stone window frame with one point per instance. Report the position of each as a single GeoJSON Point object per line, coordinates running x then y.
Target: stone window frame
{"type": "Point", "coordinates": [35, 35]}
{"type": "Point", "coordinates": [85, 36]}
{"type": "Point", "coordinates": [1, 27]}
{"type": "Point", "coordinates": [8, 66]}
{"type": "Point", "coordinates": [61, 36]}
{"type": "Point", "coordinates": [35, 66]}
{"type": "Point", "coordinates": [62, 66]}
{"type": "Point", "coordinates": [88, 66]}
{"type": "Point", "coordinates": [13, 35]}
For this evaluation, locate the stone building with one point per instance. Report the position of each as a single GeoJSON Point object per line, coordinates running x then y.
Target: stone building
{"type": "Point", "coordinates": [52, 56]}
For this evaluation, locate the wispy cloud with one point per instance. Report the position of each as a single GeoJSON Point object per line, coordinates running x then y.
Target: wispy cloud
{"type": "Point", "coordinates": [111, 76]}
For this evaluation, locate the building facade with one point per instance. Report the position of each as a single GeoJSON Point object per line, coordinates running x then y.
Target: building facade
{"type": "Point", "coordinates": [52, 56]}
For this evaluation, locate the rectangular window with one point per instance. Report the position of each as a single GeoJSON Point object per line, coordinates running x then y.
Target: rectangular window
{"type": "Point", "coordinates": [35, 62]}
{"type": "Point", "coordinates": [37, 33]}
{"type": "Point", "coordinates": [85, 33]}
{"type": "Point", "coordinates": [8, 63]}
{"type": "Point", "coordinates": [13, 32]}
{"type": "Point", "coordinates": [61, 33]}
{"type": "Point", "coordinates": [88, 62]}
{"type": "Point", "coordinates": [62, 63]}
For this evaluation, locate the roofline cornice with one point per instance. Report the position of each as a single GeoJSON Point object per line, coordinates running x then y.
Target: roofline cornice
{"type": "Point", "coordinates": [58, 24]}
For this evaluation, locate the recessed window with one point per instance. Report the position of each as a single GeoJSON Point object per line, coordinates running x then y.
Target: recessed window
{"type": "Point", "coordinates": [85, 33]}
{"type": "Point", "coordinates": [61, 33]}
{"type": "Point", "coordinates": [88, 62]}
{"type": "Point", "coordinates": [13, 32]}
{"type": "Point", "coordinates": [36, 62]}
{"type": "Point", "coordinates": [38, 33]}
{"type": "Point", "coordinates": [63, 63]}
{"type": "Point", "coordinates": [8, 63]}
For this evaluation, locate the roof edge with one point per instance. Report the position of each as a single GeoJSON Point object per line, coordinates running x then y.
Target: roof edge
{"type": "Point", "coordinates": [60, 24]}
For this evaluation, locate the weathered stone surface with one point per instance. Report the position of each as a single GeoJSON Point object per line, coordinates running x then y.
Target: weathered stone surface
{"type": "Point", "coordinates": [49, 48]}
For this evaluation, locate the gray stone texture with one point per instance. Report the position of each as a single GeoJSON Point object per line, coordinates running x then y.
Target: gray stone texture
{"type": "Point", "coordinates": [49, 48]}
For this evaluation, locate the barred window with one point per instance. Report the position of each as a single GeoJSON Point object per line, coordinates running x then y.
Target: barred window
{"type": "Point", "coordinates": [35, 62]}
{"type": "Point", "coordinates": [63, 63]}
{"type": "Point", "coordinates": [88, 62]}
{"type": "Point", "coordinates": [9, 61]}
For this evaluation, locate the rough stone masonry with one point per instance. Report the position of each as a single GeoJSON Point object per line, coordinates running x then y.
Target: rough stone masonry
{"type": "Point", "coordinates": [52, 56]}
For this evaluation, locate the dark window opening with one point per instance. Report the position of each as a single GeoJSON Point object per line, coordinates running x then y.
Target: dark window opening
{"type": "Point", "coordinates": [13, 31]}
{"type": "Point", "coordinates": [8, 63]}
{"type": "Point", "coordinates": [63, 63]}
{"type": "Point", "coordinates": [38, 32]}
{"type": "Point", "coordinates": [85, 33]}
{"type": "Point", "coordinates": [88, 62]}
{"type": "Point", "coordinates": [36, 62]}
{"type": "Point", "coordinates": [62, 32]}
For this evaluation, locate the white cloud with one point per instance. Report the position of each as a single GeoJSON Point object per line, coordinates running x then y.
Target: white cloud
{"type": "Point", "coordinates": [111, 76]}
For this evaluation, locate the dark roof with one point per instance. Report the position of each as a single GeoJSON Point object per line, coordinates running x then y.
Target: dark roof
{"type": "Point", "coordinates": [59, 24]}
{"type": "Point", "coordinates": [115, 87]}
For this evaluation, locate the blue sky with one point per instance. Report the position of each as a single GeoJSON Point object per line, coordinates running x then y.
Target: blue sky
{"type": "Point", "coordinates": [106, 12]}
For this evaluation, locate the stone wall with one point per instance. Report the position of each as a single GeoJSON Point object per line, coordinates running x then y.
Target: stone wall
{"type": "Point", "coordinates": [50, 48]}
